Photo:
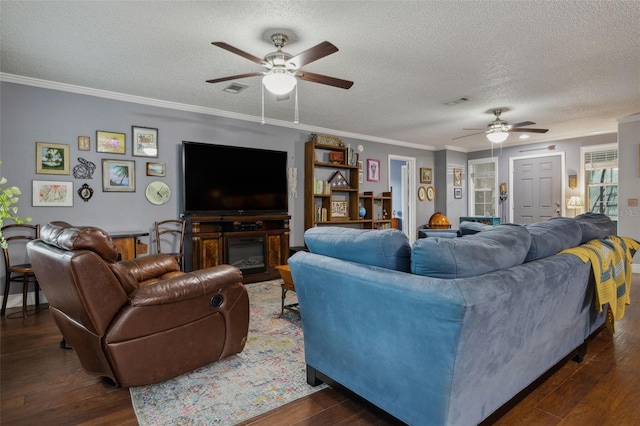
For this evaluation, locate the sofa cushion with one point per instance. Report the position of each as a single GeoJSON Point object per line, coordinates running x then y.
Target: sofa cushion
{"type": "Point", "coordinates": [595, 226]}
{"type": "Point", "coordinates": [551, 236]}
{"type": "Point", "coordinates": [470, 228]}
{"type": "Point", "coordinates": [501, 246]}
{"type": "Point", "coordinates": [387, 248]}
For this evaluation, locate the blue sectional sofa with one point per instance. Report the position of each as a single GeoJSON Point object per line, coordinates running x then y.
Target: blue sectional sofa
{"type": "Point", "coordinates": [447, 331]}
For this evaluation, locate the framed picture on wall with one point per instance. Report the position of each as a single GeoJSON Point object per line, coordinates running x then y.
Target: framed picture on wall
{"type": "Point", "coordinates": [457, 177]}
{"type": "Point", "coordinates": [156, 169]}
{"type": "Point", "coordinates": [118, 176]}
{"type": "Point", "coordinates": [84, 143]}
{"type": "Point", "coordinates": [425, 175]}
{"type": "Point", "coordinates": [111, 142]}
{"type": "Point", "coordinates": [373, 170]}
{"type": "Point", "coordinates": [52, 158]}
{"type": "Point", "coordinates": [144, 141]}
{"type": "Point", "coordinates": [48, 193]}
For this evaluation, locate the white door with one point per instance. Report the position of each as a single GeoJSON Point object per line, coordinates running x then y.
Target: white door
{"type": "Point", "coordinates": [538, 189]}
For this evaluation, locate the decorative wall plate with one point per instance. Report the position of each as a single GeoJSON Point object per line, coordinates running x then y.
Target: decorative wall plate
{"type": "Point", "coordinates": [430, 193]}
{"type": "Point", "coordinates": [85, 192]}
{"type": "Point", "coordinates": [422, 193]}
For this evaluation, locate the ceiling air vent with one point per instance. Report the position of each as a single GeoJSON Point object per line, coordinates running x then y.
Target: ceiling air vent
{"type": "Point", "coordinates": [235, 88]}
{"type": "Point", "coordinates": [456, 101]}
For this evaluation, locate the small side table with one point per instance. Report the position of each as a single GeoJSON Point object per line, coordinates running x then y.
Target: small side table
{"type": "Point", "coordinates": [285, 273]}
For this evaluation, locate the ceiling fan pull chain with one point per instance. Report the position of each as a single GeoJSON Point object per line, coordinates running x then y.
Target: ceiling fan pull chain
{"type": "Point", "coordinates": [295, 117]}
{"type": "Point", "coordinates": [262, 85]}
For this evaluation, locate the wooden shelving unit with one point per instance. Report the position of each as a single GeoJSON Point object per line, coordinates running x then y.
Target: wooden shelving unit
{"type": "Point", "coordinates": [339, 205]}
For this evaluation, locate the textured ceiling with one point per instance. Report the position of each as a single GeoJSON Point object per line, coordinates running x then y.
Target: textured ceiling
{"type": "Point", "coordinates": [570, 66]}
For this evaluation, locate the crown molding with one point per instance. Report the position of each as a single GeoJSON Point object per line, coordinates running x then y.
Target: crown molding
{"type": "Point", "coordinates": [46, 84]}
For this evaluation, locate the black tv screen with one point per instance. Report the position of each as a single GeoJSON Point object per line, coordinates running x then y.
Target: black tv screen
{"type": "Point", "coordinates": [220, 179]}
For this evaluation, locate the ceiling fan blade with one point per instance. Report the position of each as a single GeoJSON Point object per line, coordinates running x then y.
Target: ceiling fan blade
{"type": "Point", "coordinates": [524, 123]}
{"type": "Point", "coordinates": [235, 77]}
{"type": "Point", "coordinates": [466, 136]}
{"type": "Point", "coordinates": [324, 79]}
{"type": "Point", "coordinates": [237, 51]}
{"type": "Point", "coordinates": [473, 129]}
{"type": "Point", "coordinates": [524, 129]}
{"type": "Point", "coordinates": [317, 52]}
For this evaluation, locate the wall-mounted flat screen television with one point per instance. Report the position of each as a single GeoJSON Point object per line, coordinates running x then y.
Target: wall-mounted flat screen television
{"type": "Point", "coordinates": [231, 180]}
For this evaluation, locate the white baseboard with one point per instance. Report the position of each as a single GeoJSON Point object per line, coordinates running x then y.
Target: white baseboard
{"type": "Point", "coordinates": [15, 300]}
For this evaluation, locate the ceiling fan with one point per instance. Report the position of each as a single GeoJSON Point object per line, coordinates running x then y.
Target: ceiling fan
{"type": "Point", "coordinates": [283, 69]}
{"type": "Point", "coordinates": [498, 130]}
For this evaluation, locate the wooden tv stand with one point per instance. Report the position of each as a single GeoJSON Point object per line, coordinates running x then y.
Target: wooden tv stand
{"type": "Point", "coordinates": [216, 240]}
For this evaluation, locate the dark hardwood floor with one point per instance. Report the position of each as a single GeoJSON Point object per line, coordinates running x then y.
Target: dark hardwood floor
{"type": "Point", "coordinates": [44, 384]}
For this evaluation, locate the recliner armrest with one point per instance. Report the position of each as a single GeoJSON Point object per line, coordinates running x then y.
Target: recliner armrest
{"type": "Point", "coordinates": [152, 266]}
{"type": "Point", "coordinates": [186, 286]}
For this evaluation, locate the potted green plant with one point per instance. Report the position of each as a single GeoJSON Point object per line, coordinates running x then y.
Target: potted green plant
{"type": "Point", "coordinates": [8, 209]}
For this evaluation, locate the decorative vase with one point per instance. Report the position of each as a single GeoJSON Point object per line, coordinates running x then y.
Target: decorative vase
{"type": "Point", "coordinates": [362, 212]}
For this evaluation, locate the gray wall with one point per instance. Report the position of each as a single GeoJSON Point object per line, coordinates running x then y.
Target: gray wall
{"type": "Point", "coordinates": [31, 114]}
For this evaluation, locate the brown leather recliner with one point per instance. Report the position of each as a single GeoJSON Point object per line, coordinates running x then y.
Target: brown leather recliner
{"type": "Point", "coordinates": [137, 321]}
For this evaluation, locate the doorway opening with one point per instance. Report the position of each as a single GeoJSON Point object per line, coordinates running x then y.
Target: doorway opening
{"type": "Point", "coordinates": [402, 183]}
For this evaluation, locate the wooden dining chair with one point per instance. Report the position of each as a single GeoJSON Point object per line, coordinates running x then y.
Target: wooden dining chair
{"type": "Point", "coordinates": [17, 236]}
{"type": "Point", "coordinates": [170, 235]}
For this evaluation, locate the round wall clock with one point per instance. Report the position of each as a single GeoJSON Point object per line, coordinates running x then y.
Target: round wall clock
{"type": "Point", "coordinates": [158, 192]}
{"type": "Point", "coordinates": [422, 193]}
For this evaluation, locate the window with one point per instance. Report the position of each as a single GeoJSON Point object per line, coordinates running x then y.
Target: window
{"type": "Point", "coordinates": [601, 179]}
{"type": "Point", "coordinates": [483, 187]}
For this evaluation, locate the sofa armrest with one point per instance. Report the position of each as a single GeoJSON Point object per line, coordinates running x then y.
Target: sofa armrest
{"type": "Point", "coordinates": [186, 286]}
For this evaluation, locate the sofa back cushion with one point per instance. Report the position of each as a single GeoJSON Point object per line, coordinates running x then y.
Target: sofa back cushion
{"type": "Point", "coordinates": [595, 226]}
{"type": "Point", "coordinates": [387, 248]}
{"type": "Point", "coordinates": [470, 228]}
{"type": "Point", "coordinates": [551, 236]}
{"type": "Point", "coordinates": [501, 246]}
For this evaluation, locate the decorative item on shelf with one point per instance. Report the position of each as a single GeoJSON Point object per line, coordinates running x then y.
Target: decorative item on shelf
{"type": "Point", "coordinates": [439, 221]}
{"type": "Point", "coordinates": [336, 157]}
{"type": "Point", "coordinates": [362, 212]}
{"type": "Point", "coordinates": [326, 139]}
{"type": "Point", "coordinates": [85, 192]}
{"type": "Point", "coordinates": [84, 170]}
{"type": "Point", "coordinates": [339, 209]}
{"type": "Point", "coordinates": [339, 181]}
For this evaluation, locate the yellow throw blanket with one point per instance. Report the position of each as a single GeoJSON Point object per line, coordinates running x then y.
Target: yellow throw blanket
{"type": "Point", "coordinates": [611, 262]}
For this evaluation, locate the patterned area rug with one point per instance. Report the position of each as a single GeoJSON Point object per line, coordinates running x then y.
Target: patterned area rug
{"type": "Point", "coordinates": [268, 373]}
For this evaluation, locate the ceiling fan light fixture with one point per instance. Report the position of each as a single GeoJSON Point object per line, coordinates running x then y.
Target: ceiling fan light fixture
{"type": "Point", "coordinates": [497, 136]}
{"type": "Point", "coordinates": [279, 81]}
